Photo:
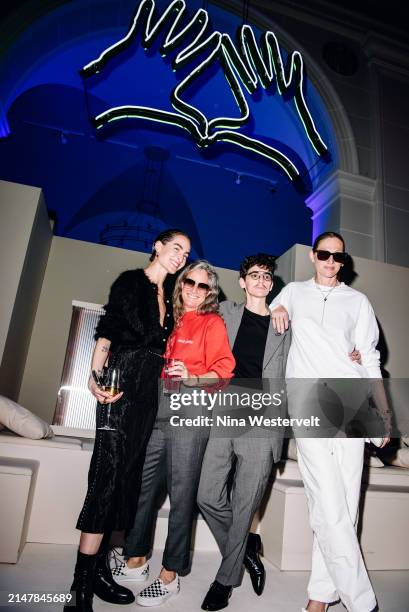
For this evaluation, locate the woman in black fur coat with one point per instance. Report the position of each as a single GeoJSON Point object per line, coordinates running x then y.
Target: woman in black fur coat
{"type": "Point", "coordinates": [137, 322]}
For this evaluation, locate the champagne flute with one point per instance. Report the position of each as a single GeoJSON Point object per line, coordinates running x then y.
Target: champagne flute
{"type": "Point", "coordinates": [112, 385]}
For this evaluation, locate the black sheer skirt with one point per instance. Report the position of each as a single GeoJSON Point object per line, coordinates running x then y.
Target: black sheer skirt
{"type": "Point", "coordinates": [115, 471]}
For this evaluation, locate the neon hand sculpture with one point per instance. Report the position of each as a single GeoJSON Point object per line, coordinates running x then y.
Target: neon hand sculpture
{"type": "Point", "coordinates": [250, 65]}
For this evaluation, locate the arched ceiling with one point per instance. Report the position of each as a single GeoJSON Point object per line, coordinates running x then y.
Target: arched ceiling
{"type": "Point", "coordinates": [219, 193]}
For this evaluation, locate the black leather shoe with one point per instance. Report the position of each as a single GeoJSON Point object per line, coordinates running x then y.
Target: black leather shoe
{"type": "Point", "coordinates": [105, 586]}
{"type": "Point", "coordinates": [253, 564]}
{"type": "Point", "coordinates": [81, 588]}
{"type": "Point", "coordinates": [217, 597]}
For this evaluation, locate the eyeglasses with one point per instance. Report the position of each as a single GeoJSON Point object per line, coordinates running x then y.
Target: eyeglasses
{"type": "Point", "coordinates": [189, 282]}
{"type": "Point", "coordinates": [266, 276]}
{"type": "Point", "coordinates": [338, 256]}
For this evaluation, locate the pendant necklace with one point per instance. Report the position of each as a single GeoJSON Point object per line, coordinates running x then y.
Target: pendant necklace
{"type": "Point", "coordinates": [325, 295]}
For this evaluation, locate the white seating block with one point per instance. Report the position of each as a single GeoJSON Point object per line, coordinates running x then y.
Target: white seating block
{"type": "Point", "coordinates": [384, 533]}
{"type": "Point", "coordinates": [59, 485]}
{"type": "Point", "coordinates": [58, 476]}
{"type": "Point", "coordinates": [15, 481]}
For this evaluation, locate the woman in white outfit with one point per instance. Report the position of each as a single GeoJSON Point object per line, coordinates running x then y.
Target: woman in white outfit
{"type": "Point", "coordinates": [330, 319]}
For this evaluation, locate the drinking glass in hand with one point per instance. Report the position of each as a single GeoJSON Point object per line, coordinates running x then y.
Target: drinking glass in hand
{"type": "Point", "coordinates": [112, 385]}
{"type": "Point", "coordinates": [171, 382]}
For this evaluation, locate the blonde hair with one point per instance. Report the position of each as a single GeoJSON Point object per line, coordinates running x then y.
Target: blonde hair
{"type": "Point", "coordinates": [210, 303]}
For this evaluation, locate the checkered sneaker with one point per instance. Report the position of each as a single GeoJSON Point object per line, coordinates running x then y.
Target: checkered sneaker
{"type": "Point", "coordinates": [123, 573]}
{"type": "Point", "coordinates": [158, 592]}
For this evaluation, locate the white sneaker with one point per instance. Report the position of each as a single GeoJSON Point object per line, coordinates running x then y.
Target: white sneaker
{"type": "Point", "coordinates": [122, 573]}
{"type": "Point", "coordinates": [158, 592]}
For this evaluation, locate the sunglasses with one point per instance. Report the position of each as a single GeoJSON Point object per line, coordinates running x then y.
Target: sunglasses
{"type": "Point", "coordinates": [339, 257]}
{"type": "Point", "coordinates": [189, 282]}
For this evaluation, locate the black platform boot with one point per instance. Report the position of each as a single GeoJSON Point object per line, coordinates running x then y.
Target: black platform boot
{"type": "Point", "coordinates": [83, 586]}
{"type": "Point", "coordinates": [105, 586]}
{"type": "Point", "coordinates": [253, 564]}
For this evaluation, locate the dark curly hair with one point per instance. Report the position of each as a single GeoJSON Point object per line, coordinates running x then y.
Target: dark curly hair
{"type": "Point", "coordinates": [260, 259]}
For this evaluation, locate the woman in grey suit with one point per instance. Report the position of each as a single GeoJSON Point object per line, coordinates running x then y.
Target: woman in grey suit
{"type": "Point", "coordinates": [260, 353]}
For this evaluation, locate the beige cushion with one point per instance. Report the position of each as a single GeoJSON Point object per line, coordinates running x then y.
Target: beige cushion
{"type": "Point", "coordinates": [22, 421]}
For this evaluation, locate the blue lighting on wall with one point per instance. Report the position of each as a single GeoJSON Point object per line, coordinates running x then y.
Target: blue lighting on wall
{"type": "Point", "coordinates": [94, 180]}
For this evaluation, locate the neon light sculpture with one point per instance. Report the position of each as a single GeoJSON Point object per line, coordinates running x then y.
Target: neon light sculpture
{"type": "Point", "coordinates": [250, 65]}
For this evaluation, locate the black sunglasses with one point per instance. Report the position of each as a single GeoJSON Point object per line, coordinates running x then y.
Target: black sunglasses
{"type": "Point", "coordinates": [339, 256]}
{"type": "Point", "coordinates": [191, 283]}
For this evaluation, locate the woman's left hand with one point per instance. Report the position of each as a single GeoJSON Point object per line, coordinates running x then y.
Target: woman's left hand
{"type": "Point", "coordinates": [178, 370]}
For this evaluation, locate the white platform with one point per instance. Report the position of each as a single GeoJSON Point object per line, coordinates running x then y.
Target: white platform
{"type": "Point", "coordinates": [48, 567]}
{"type": "Point", "coordinates": [60, 481]}
{"type": "Point", "coordinates": [384, 524]}
{"type": "Point", "coordinates": [60, 486]}
{"type": "Point", "coordinates": [15, 485]}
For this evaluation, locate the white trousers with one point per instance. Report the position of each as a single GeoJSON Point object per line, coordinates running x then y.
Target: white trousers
{"type": "Point", "coordinates": [332, 471]}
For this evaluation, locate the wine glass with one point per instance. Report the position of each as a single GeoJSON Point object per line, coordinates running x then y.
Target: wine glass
{"type": "Point", "coordinates": [112, 384]}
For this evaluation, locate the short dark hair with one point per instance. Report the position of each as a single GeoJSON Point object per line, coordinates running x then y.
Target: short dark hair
{"type": "Point", "coordinates": [260, 259]}
{"type": "Point", "coordinates": [327, 235]}
{"type": "Point", "coordinates": [167, 236]}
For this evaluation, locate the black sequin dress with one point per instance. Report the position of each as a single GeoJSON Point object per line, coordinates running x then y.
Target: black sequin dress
{"type": "Point", "coordinates": [131, 322]}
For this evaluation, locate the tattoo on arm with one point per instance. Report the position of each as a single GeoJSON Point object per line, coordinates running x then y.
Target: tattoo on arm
{"type": "Point", "coordinates": [105, 348]}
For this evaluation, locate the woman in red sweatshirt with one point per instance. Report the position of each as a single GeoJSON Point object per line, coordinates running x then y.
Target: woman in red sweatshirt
{"type": "Point", "coordinates": [198, 354]}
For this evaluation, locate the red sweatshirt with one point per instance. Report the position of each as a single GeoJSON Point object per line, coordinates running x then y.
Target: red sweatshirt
{"type": "Point", "coordinates": [201, 342]}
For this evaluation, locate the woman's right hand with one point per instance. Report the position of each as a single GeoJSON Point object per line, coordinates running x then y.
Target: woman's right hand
{"type": "Point", "coordinates": [103, 397]}
{"type": "Point", "coordinates": [280, 318]}
{"type": "Point", "coordinates": [177, 370]}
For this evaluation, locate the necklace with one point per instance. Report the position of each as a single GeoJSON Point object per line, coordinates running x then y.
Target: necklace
{"type": "Point", "coordinates": [325, 295]}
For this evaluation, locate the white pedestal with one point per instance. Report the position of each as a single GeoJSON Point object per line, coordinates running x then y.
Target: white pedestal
{"type": "Point", "coordinates": [384, 536]}
{"type": "Point", "coordinates": [285, 529]}
{"type": "Point", "coordinates": [60, 484]}
{"type": "Point", "coordinates": [15, 481]}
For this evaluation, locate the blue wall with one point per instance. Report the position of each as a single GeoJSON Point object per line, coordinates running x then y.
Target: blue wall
{"type": "Point", "coordinates": [232, 202]}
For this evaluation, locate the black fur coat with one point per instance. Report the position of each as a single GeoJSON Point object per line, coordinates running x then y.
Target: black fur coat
{"type": "Point", "coordinates": [131, 317]}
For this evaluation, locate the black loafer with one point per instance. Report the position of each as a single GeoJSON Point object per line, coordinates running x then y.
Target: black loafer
{"type": "Point", "coordinates": [217, 597]}
{"type": "Point", "coordinates": [105, 586]}
{"type": "Point", "coordinates": [253, 563]}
